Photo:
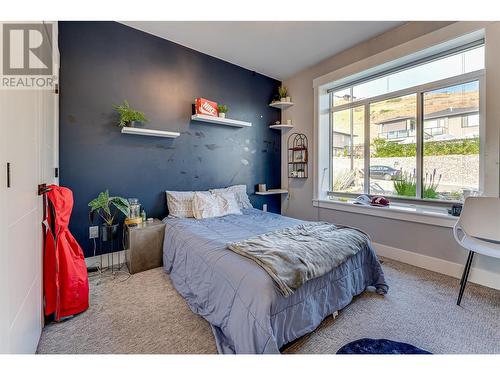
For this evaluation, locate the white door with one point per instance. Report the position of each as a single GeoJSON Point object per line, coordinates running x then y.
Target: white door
{"type": "Point", "coordinates": [28, 147]}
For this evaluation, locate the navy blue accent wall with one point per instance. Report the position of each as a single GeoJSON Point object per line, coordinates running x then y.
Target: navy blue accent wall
{"type": "Point", "coordinates": [103, 63]}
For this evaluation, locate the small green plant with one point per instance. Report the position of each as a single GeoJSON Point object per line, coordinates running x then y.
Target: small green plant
{"type": "Point", "coordinates": [223, 108]}
{"type": "Point", "coordinates": [431, 184]}
{"type": "Point", "coordinates": [406, 185]}
{"type": "Point", "coordinates": [282, 91]}
{"type": "Point", "coordinates": [102, 206]}
{"type": "Point", "coordinates": [128, 115]}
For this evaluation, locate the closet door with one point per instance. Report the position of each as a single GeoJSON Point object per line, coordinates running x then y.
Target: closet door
{"type": "Point", "coordinates": [28, 153]}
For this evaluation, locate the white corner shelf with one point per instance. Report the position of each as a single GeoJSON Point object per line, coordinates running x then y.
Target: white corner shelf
{"type": "Point", "coordinates": [281, 126]}
{"type": "Point", "coordinates": [149, 132]}
{"type": "Point", "coordinates": [281, 105]}
{"type": "Point", "coordinates": [272, 191]}
{"type": "Point", "coordinates": [221, 121]}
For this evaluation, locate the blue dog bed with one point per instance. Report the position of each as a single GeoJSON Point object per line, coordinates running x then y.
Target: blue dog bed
{"type": "Point", "coordinates": [380, 346]}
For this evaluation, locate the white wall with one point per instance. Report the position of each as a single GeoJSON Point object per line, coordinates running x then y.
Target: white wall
{"type": "Point", "coordinates": [421, 239]}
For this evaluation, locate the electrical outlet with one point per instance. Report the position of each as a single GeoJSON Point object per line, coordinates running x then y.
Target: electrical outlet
{"type": "Point", "coordinates": [264, 207]}
{"type": "Point", "coordinates": [93, 232]}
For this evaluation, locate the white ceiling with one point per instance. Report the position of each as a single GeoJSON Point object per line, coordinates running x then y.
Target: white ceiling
{"type": "Point", "coordinates": [275, 49]}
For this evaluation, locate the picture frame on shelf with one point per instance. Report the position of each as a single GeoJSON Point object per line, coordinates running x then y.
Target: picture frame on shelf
{"type": "Point", "coordinates": [300, 156]}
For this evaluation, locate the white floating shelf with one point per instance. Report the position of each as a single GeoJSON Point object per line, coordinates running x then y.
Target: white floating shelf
{"type": "Point", "coordinates": [281, 105]}
{"type": "Point", "coordinates": [272, 191]}
{"type": "Point", "coordinates": [221, 121]}
{"type": "Point", "coordinates": [150, 132]}
{"type": "Point", "coordinates": [281, 126]}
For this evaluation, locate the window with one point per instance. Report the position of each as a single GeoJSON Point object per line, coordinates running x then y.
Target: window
{"type": "Point", "coordinates": [451, 159]}
{"type": "Point", "coordinates": [348, 142]}
{"type": "Point", "coordinates": [411, 133]}
{"type": "Point", "coordinates": [386, 163]}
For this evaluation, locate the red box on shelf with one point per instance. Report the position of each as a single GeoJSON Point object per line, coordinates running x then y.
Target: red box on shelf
{"type": "Point", "coordinates": [206, 107]}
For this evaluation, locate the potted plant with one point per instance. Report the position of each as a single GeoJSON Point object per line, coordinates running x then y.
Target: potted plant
{"type": "Point", "coordinates": [222, 109]}
{"type": "Point", "coordinates": [102, 205]}
{"type": "Point", "coordinates": [129, 116]}
{"type": "Point", "coordinates": [282, 91]}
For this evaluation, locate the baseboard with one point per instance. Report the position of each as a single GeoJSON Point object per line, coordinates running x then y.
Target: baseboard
{"type": "Point", "coordinates": [477, 275]}
{"type": "Point", "coordinates": [115, 258]}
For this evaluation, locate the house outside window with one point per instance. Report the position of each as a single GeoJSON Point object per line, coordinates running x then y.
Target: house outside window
{"type": "Point", "coordinates": [416, 131]}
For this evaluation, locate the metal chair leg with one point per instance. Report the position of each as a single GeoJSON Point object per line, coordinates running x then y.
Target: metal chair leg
{"type": "Point", "coordinates": [465, 276]}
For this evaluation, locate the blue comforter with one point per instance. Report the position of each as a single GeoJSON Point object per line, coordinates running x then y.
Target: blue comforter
{"type": "Point", "coordinates": [238, 298]}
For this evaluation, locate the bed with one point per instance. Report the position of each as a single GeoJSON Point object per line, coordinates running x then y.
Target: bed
{"type": "Point", "coordinates": [237, 297]}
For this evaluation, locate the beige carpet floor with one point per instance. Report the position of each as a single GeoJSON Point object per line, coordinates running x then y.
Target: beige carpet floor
{"type": "Point", "coordinates": [144, 314]}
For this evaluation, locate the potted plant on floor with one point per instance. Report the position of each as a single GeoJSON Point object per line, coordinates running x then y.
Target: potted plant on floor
{"type": "Point", "coordinates": [222, 109]}
{"type": "Point", "coordinates": [103, 206]}
{"type": "Point", "coordinates": [128, 116]}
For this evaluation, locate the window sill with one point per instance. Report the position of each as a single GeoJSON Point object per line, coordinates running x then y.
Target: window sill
{"type": "Point", "coordinates": [396, 211]}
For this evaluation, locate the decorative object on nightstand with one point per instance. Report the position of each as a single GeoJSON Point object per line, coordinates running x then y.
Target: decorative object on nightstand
{"type": "Point", "coordinates": [297, 155]}
{"type": "Point", "coordinates": [135, 212]}
{"type": "Point", "coordinates": [144, 243]}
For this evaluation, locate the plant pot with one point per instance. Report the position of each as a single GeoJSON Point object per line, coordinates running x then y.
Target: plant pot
{"type": "Point", "coordinates": [288, 99]}
{"type": "Point", "coordinates": [222, 115]}
{"type": "Point", "coordinates": [133, 124]}
{"type": "Point", "coordinates": [109, 232]}
{"type": "Point", "coordinates": [283, 100]}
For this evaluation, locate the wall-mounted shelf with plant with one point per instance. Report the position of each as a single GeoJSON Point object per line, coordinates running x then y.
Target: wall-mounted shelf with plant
{"type": "Point", "coordinates": [221, 121]}
{"type": "Point", "coordinates": [209, 111]}
{"type": "Point", "coordinates": [282, 100]}
{"type": "Point", "coordinates": [129, 118]}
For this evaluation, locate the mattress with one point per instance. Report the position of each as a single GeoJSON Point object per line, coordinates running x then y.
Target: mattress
{"type": "Point", "coordinates": [238, 298]}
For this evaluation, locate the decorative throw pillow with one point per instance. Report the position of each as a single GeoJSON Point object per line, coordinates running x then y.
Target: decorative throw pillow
{"type": "Point", "coordinates": [180, 203]}
{"type": "Point", "coordinates": [205, 205]}
{"type": "Point", "coordinates": [240, 193]}
{"type": "Point", "coordinates": [227, 204]}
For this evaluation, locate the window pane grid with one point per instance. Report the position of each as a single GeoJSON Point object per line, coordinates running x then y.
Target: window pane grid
{"type": "Point", "coordinates": [421, 145]}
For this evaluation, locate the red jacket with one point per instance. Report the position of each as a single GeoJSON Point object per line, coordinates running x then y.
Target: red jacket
{"type": "Point", "coordinates": [65, 279]}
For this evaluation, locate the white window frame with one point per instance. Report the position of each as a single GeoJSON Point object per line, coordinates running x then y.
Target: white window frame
{"type": "Point", "coordinates": [419, 90]}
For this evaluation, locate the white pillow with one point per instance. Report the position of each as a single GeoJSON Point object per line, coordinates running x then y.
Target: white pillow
{"type": "Point", "coordinates": [180, 203]}
{"type": "Point", "coordinates": [240, 193]}
{"type": "Point", "coordinates": [205, 205]}
{"type": "Point", "coordinates": [227, 204]}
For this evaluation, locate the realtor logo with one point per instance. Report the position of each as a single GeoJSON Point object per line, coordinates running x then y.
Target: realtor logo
{"type": "Point", "coordinates": [27, 55]}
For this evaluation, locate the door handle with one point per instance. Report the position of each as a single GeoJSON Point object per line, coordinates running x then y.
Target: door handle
{"type": "Point", "coordinates": [8, 175]}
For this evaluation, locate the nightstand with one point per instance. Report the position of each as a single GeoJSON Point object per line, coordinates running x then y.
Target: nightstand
{"type": "Point", "coordinates": [144, 244]}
